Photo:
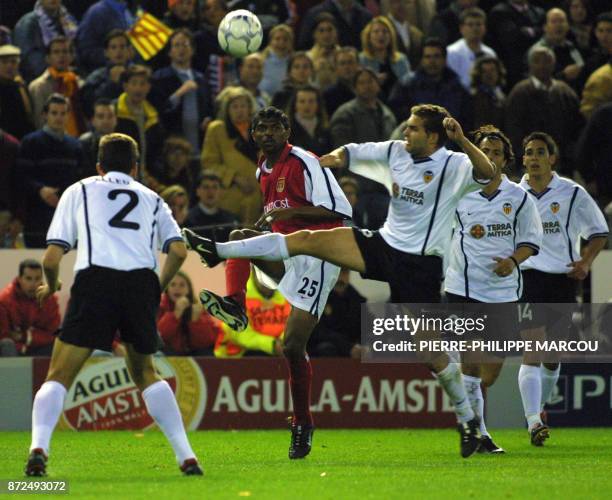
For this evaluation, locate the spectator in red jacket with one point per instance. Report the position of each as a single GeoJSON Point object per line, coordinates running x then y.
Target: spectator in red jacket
{"type": "Point", "coordinates": [185, 327]}
{"type": "Point", "coordinates": [26, 327]}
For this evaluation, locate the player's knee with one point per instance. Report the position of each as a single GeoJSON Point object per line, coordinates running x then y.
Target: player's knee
{"type": "Point", "coordinates": [143, 377]}
{"type": "Point", "coordinates": [489, 378]}
{"type": "Point", "coordinates": [294, 350]}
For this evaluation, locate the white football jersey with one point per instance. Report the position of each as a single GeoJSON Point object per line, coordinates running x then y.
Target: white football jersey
{"type": "Point", "coordinates": [489, 226]}
{"type": "Point", "coordinates": [118, 223]}
{"type": "Point", "coordinates": [425, 193]}
{"type": "Point", "coordinates": [568, 213]}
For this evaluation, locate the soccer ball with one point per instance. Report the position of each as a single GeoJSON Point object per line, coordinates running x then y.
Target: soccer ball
{"type": "Point", "coordinates": [240, 33]}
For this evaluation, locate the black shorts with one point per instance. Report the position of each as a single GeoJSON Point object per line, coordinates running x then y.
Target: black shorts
{"type": "Point", "coordinates": [105, 301]}
{"type": "Point", "coordinates": [412, 278]}
{"type": "Point", "coordinates": [501, 319]}
{"type": "Point", "coordinates": [544, 296]}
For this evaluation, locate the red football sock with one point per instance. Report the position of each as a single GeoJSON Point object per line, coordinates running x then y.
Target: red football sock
{"type": "Point", "coordinates": [237, 272]}
{"type": "Point", "coordinates": [300, 380]}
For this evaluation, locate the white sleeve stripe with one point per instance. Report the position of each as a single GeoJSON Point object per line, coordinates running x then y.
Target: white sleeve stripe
{"type": "Point", "coordinates": [168, 241]}
{"type": "Point", "coordinates": [329, 189]}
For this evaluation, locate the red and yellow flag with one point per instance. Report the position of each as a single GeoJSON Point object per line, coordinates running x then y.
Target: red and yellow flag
{"type": "Point", "coordinates": [148, 35]}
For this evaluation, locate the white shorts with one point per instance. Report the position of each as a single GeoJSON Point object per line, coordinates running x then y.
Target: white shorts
{"type": "Point", "coordinates": [308, 282]}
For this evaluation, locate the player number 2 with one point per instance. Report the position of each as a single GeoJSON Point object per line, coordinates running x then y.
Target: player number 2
{"type": "Point", "coordinates": [118, 220]}
{"type": "Point", "coordinates": [309, 287]}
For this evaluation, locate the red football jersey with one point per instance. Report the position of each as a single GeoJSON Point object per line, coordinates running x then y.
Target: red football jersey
{"type": "Point", "coordinates": [298, 180]}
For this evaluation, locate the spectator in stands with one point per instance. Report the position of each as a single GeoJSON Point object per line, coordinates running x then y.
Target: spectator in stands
{"type": "Point", "coordinates": [515, 25]}
{"type": "Point", "coordinates": [339, 330]}
{"type": "Point", "coordinates": [324, 49]}
{"type": "Point", "coordinates": [106, 82]}
{"type": "Point", "coordinates": [137, 117]}
{"type": "Point", "coordinates": [419, 13]}
{"type": "Point", "coordinates": [409, 37]}
{"type": "Point", "coordinates": [101, 18]}
{"type": "Point", "coordinates": [300, 72]}
{"type": "Point", "coordinates": [308, 120]}
{"type": "Point", "coordinates": [35, 30]}
{"type": "Point", "coordinates": [365, 118]}
{"type": "Point", "coordinates": [276, 58]}
{"type": "Point", "coordinates": [542, 103]}
{"type": "Point", "coordinates": [229, 152]}
{"type": "Point", "coordinates": [267, 311]}
{"type": "Point", "coordinates": [445, 24]}
{"type": "Point", "coordinates": [346, 64]}
{"type": "Point", "coordinates": [209, 58]}
{"type": "Point", "coordinates": [177, 199]}
{"type": "Point", "coordinates": [350, 188]}
{"type": "Point", "coordinates": [176, 166]}
{"type": "Point", "coordinates": [597, 91]}
{"type": "Point", "coordinates": [595, 151]}
{"type": "Point", "coordinates": [103, 122]}
{"type": "Point", "coordinates": [183, 323]}
{"type": "Point", "coordinates": [250, 75]}
{"type": "Point", "coordinates": [380, 54]}
{"type": "Point", "coordinates": [207, 46]}
{"type": "Point", "coordinates": [181, 93]}
{"type": "Point", "coordinates": [433, 83]}
{"type": "Point", "coordinates": [26, 326]}
{"type": "Point", "coordinates": [569, 61]}
{"type": "Point", "coordinates": [462, 54]}
{"type": "Point", "coordinates": [581, 24]}
{"type": "Point", "coordinates": [11, 229]}
{"type": "Point", "coordinates": [9, 148]}
{"type": "Point", "coordinates": [488, 97]}
{"type": "Point", "coordinates": [207, 212]}
{"type": "Point", "coordinates": [59, 79]}
{"type": "Point", "coordinates": [49, 161]}
{"type": "Point", "coordinates": [351, 17]}
{"type": "Point", "coordinates": [15, 104]}
{"type": "Point", "coordinates": [601, 54]}
{"type": "Point", "coordinates": [181, 14]}
{"type": "Point", "coordinates": [270, 12]}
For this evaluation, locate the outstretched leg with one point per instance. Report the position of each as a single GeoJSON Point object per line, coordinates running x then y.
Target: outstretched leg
{"type": "Point", "coordinates": [337, 246]}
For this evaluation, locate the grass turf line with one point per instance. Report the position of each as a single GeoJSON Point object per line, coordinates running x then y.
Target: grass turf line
{"type": "Point", "coordinates": [574, 463]}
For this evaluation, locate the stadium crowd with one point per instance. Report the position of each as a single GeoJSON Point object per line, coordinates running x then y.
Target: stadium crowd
{"type": "Point", "coordinates": [344, 71]}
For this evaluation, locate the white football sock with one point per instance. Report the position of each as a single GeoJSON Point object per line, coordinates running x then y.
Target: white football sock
{"type": "Point", "coordinates": [530, 386]}
{"type": "Point", "coordinates": [271, 246]}
{"type": "Point", "coordinates": [474, 394]}
{"type": "Point", "coordinates": [46, 411]}
{"type": "Point", "coordinates": [549, 381]}
{"type": "Point", "coordinates": [452, 382]}
{"type": "Point", "coordinates": [162, 406]}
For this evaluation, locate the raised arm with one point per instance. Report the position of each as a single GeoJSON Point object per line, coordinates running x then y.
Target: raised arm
{"type": "Point", "coordinates": [483, 167]}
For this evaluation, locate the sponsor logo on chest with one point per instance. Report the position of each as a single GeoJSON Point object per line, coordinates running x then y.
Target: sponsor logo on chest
{"type": "Point", "coordinates": [408, 194]}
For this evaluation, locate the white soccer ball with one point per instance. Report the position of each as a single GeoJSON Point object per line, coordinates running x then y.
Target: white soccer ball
{"type": "Point", "coordinates": [240, 33]}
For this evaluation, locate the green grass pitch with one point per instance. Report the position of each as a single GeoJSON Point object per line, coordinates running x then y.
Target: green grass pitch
{"type": "Point", "coordinates": [575, 463]}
